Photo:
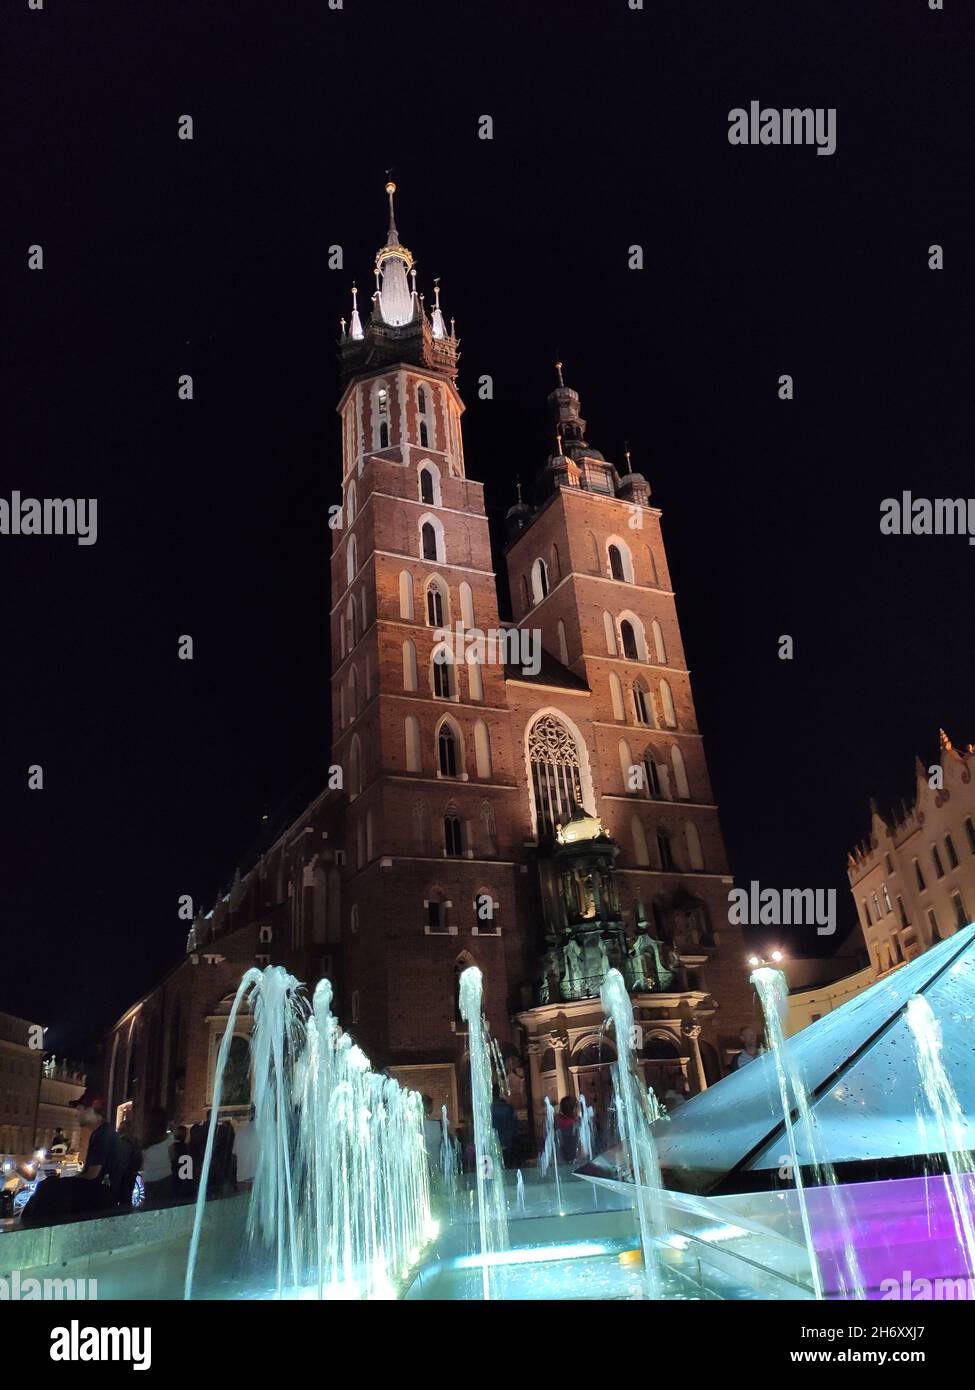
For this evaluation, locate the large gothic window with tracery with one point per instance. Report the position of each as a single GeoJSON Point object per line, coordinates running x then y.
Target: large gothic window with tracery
{"type": "Point", "coordinates": [556, 780]}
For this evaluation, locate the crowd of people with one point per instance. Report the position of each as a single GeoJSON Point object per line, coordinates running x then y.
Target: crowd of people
{"type": "Point", "coordinates": [170, 1161]}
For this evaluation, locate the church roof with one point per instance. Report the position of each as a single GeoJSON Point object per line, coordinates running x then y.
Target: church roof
{"type": "Point", "coordinates": [550, 672]}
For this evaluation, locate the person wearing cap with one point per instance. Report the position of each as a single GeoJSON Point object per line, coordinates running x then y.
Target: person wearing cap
{"type": "Point", "coordinates": [61, 1199]}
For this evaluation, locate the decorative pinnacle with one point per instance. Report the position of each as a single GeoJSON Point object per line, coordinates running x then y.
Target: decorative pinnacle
{"type": "Point", "coordinates": [558, 368]}
{"type": "Point", "coordinates": [626, 455]}
{"type": "Point", "coordinates": [945, 741]}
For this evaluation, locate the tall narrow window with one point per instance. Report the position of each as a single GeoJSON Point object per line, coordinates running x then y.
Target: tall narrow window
{"type": "Point", "coordinates": [680, 774]}
{"type": "Point", "coordinates": [447, 751]}
{"type": "Point", "coordinates": [640, 852]}
{"type": "Point", "coordinates": [435, 606]}
{"type": "Point", "coordinates": [424, 436]}
{"type": "Point", "coordinates": [413, 755]}
{"type": "Point", "coordinates": [970, 832]}
{"type": "Point", "coordinates": [939, 868]}
{"type": "Point", "coordinates": [919, 876]}
{"type": "Point", "coordinates": [421, 399]}
{"type": "Point", "coordinates": [482, 749]}
{"type": "Point", "coordinates": [695, 857]}
{"type": "Point", "coordinates": [610, 631]}
{"type": "Point", "coordinates": [952, 856]}
{"type": "Point", "coordinates": [616, 696]}
{"type": "Point", "coordinates": [406, 596]}
{"type": "Point", "coordinates": [641, 704]}
{"type": "Point", "coordinates": [616, 563]}
{"type": "Point", "coordinates": [539, 580]}
{"type": "Point", "coordinates": [453, 837]}
{"type": "Point", "coordinates": [409, 666]}
{"type": "Point", "coordinates": [426, 486]}
{"type": "Point", "coordinates": [665, 851]}
{"type": "Point", "coordinates": [652, 772]}
{"type": "Point", "coordinates": [667, 701]}
{"type": "Point", "coordinates": [383, 434]}
{"type": "Point", "coordinates": [628, 639]}
{"type": "Point", "coordinates": [660, 651]}
{"type": "Point", "coordinates": [429, 539]}
{"type": "Point", "coordinates": [466, 604]}
{"type": "Point", "coordinates": [443, 675]}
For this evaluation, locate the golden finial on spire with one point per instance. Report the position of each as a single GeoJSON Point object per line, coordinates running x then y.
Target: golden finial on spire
{"type": "Point", "coordinates": [626, 455]}
{"type": "Point", "coordinates": [518, 486]}
{"type": "Point", "coordinates": [558, 368]}
{"type": "Point", "coordinates": [558, 441]}
{"type": "Point", "coordinates": [945, 741]}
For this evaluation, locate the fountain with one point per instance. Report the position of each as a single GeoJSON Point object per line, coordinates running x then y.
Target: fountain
{"type": "Point", "coordinates": [949, 1124]}
{"type": "Point", "coordinates": [549, 1157]}
{"type": "Point", "coordinates": [492, 1212]}
{"type": "Point", "coordinates": [634, 1120]}
{"type": "Point", "coordinates": [341, 1193]}
{"type": "Point", "coordinates": [772, 990]}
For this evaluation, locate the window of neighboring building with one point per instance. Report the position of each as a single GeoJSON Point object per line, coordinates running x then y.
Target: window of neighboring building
{"type": "Point", "coordinates": [970, 829]}
{"type": "Point", "coordinates": [939, 868]}
{"type": "Point", "coordinates": [436, 916]}
{"type": "Point", "coordinates": [890, 867]}
{"type": "Point", "coordinates": [905, 921]}
{"type": "Point", "coordinates": [876, 907]}
{"type": "Point", "coordinates": [933, 924]}
{"type": "Point", "coordinates": [887, 906]}
{"type": "Point", "coordinates": [950, 848]}
{"type": "Point", "coordinates": [961, 916]}
{"type": "Point", "coordinates": [919, 876]}
{"type": "Point", "coordinates": [866, 912]}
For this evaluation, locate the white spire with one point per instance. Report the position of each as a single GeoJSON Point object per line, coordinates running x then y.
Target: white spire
{"type": "Point", "coordinates": [355, 326]}
{"type": "Point", "coordinates": [394, 262]}
{"type": "Point", "coordinates": [439, 327]}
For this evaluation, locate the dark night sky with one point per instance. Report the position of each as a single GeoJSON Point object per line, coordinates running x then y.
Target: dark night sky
{"type": "Point", "coordinates": [164, 257]}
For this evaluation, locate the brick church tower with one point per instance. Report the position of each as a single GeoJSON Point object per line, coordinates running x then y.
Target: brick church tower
{"type": "Point", "coordinates": [422, 737]}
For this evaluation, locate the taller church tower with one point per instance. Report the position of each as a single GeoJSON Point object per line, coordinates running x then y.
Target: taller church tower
{"type": "Point", "coordinates": [420, 732]}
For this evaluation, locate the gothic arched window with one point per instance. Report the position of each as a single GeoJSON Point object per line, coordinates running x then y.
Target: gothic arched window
{"type": "Point", "coordinates": [555, 768]}
{"type": "Point", "coordinates": [426, 483]}
{"type": "Point", "coordinates": [641, 704]}
{"type": "Point", "coordinates": [453, 837]}
{"type": "Point", "coordinates": [447, 751]}
{"type": "Point", "coordinates": [616, 563]}
{"type": "Point", "coordinates": [429, 537]}
{"type": "Point", "coordinates": [435, 606]}
{"type": "Point", "coordinates": [628, 639]}
{"type": "Point", "coordinates": [443, 675]}
{"type": "Point", "coordinates": [424, 435]}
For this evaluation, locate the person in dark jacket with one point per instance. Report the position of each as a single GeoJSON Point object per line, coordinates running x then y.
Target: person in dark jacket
{"type": "Point", "coordinates": [93, 1190]}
